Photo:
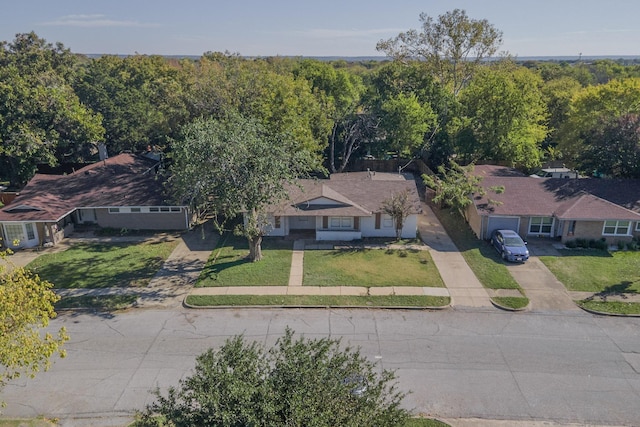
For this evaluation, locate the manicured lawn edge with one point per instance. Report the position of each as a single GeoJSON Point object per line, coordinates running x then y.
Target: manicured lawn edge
{"type": "Point", "coordinates": [402, 301]}
{"type": "Point", "coordinates": [611, 308]}
{"type": "Point", "coordinates": [103, 302]}
{"type": "Point", "coordinates": [511, 303]}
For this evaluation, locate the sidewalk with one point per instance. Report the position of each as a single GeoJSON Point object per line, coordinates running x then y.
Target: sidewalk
{"type": "Point", "coordinates": [464, 287]}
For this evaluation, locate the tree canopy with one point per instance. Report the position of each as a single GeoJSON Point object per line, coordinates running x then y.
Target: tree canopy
{"type": "Point", "coordinates": [26, 304]}
{"type": "Point", "coordinates": [453, 45]}
{"type": "Point", "coordinates": [227, 166]}
{"type": "Point", "coordinates": [298, 382]}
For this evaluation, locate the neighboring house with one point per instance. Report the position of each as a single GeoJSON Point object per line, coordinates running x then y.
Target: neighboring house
{"type": "Point", "coordinates": [556, 207]}
{"type": "Point", "coordinates": [118, 192]}
{"type": "Point", "coordinates": [348, 206]}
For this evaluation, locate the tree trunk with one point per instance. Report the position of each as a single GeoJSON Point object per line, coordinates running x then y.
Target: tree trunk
{"type": "Point", "coordinates": [255, 248]}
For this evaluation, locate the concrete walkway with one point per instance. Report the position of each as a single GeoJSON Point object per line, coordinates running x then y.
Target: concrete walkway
{"type": "Point", "coordinates": [464, 287]}
{"type": "Point", "coordinates": [174, 280]}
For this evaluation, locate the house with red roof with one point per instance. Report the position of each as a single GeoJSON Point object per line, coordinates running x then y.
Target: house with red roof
{"type": "Point", "coordinates": [122, 192]}
{"type": "Point", "coordinates": [345, 207]}
{"type": "Point", "coordinates": [560, 208]}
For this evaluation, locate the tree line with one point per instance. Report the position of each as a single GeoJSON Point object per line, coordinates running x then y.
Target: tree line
{"type": "Point", "coordinates": [438, 97]}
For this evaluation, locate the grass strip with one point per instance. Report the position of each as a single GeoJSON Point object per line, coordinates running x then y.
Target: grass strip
{"type": "Point", "coordinates": [103, 302]}
{"type": "Point", "coordinates": [613, 307]}
{"type": "Point", "coordinates": [425, 422]}
{"type": "Point", "coordinates": [515, 303]}
{"type": "Point", "coordinates": [317, 300]}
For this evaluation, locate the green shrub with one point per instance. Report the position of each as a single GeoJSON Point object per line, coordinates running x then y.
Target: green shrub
{"type": "Point", "coordinates": [571, 244]}
{"type": "Point", "coordinates": [621, 245]}
{"type": "Point", "coordinates": [600, 244]}
{"type": "Point", "coordinates": [402, 253]}
{"type": "Point", "coordinates": [632, 245]}
{"type": "Point", "coordinates": [582, 243]}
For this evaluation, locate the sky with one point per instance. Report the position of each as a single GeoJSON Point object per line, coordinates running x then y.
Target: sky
{"type": "Point", "coordinates": [316, 28]}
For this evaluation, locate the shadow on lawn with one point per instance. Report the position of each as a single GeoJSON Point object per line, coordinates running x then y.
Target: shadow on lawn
{"type": "Point", "coordinates": [621, 290]}
{"type": "Point", "coordinates": [82, 273]}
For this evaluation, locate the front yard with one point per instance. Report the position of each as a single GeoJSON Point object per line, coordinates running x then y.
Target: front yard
{"type": "Point", "coordinates": [103, 265]}
{"type": "Point", "coordinates": [370, 268]}
{"type": "Point", "coordinates": [227, 265]}
{"type": "Point", "coordinates": [613, 278]}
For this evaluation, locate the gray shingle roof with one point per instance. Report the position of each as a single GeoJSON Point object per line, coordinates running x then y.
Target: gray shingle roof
{"type": "Point", "coordinates": [122, 180]}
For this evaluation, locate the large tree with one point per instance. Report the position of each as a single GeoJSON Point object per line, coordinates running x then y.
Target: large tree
{"type": "Point", "coordinates": [26, 304]}
{"type": "Point", "coordinates": [613, 148]}
{"type": "Point", "coordinates": [453, 45]}
{"type": "Point", "coordinates": [41, 118]}
{"type": "Point", "coordinates": [139, 97]}
{"type": "Point", "coordinates": [232, 165]}
{"type": "Point", "coordinates": [299, 382]}
{"type": "Point", "coordinates": [506, 115]}
{"type": "Point", "coordinates": [592, 106]}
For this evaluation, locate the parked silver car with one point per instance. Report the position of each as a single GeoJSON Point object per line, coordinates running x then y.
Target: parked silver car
{"type": "Point", "coordinates": [509, 245]}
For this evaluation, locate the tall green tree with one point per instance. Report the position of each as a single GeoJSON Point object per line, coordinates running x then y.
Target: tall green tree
{"type": "Point", "coordinates": [613, 148]}
{"type": "Point", "coordinates": [592, 106]}
{"type": "Point", "coordinates": [225, 167]}
{"type": "Point", "coordinates": [340, 93]}
{"type": "Point", "coordinates": [139, 97]}
{"type": "Point", "coordinates": [453, 45]}
{"type": "Point", "coordinates": [41, 118]}
{"type": "Point", "coordinates": [26, 304]}
{"type": "Point", "coordinates": [506, 115]}
{"type": "Point", "coordinates": [299, 382]}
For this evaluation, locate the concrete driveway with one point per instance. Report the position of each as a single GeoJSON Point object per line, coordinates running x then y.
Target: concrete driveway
{"type": "Point", "coordinates": [545, 292]}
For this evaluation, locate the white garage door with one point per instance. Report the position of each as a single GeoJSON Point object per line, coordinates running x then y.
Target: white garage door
{"type": "Point", "coordinates": [502, 223]}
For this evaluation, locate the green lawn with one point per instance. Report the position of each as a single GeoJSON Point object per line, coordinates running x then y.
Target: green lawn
{"type": "Point", "coordinates": [102, 265]}
{"type": "Point", "coordinates": [370, 267]}
{"type": "Point", "coordinates": [228, 266]}
{"type": "Point", "coordinates": [480, 255]}
{"type": "Point", "coordinates": [603, 273]}
{"type": "Point", "coordinates": [103, 302]}
{"type": "Point", "coordinates": [317, 300]}
{"type": "Point", "coordinates": [596, 271]}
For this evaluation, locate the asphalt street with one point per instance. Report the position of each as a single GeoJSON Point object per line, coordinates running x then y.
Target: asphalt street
{"type": "Point", "coordinates": [563, 367]}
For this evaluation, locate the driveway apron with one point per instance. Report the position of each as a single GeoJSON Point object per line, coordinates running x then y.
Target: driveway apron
{"type": "Point", "coordinates": [545, 292]}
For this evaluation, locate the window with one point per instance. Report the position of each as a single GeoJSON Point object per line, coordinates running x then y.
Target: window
{"type": "Point", "coordinates": [277, 222]}
{"type": "Point", "coordinates": [341, 222]}
{"type": "Point", "coordinates": [154, 209]}
{"type": "Point", "coordinates": [14, 233]}
{"type": "Point", "coordinates": [387, 221]}
{"type": "Point", "coordinates": [114, 210]}
{"type": "Point", "coordinates": [616, 228]}
{"type": "Point", "coordinates": [540, 225]}
{"type": "Point", "coordinates": [175, 209]}
{"type": "Point", "coordinates": [638, 226]}
{"type": "Point", "coordinates": [165, 210]}
{"type": "Point", "coordinates": [135, 210]}
{"type": "Point", "coordinates": [30, 233]}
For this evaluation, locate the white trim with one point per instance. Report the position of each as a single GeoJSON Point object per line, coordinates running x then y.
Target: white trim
{"type": "Point", "coordinates": [628, 232]}
{"type": "Point", "coordinates": [541, 225]}
{"type": "Point", "coordinates": [142, 209]}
